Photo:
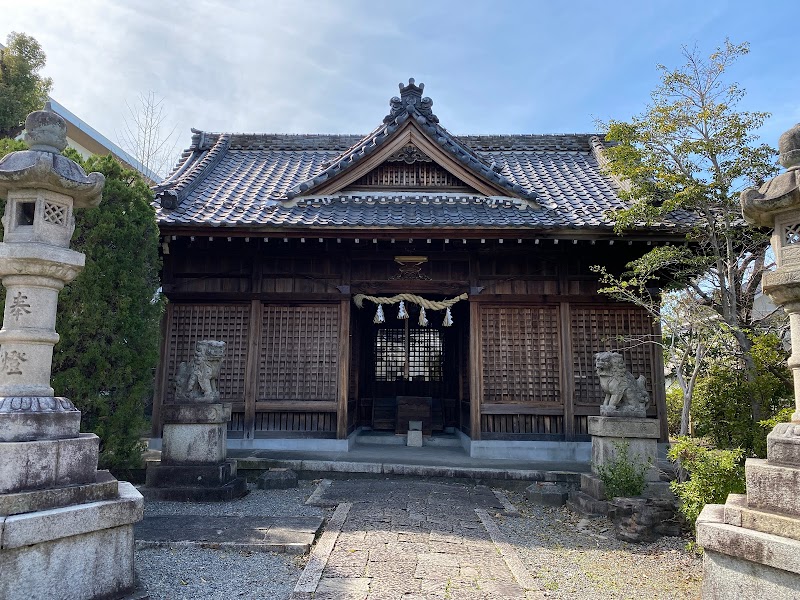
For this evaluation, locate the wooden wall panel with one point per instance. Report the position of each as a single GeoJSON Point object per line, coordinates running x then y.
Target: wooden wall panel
{"type": "Point", "coordinates": [299, 352]}
{"type": "Point", "coordinates": [297, 422]}
{"type": "Point", "coordinates": [521, 355]}
{"type": "Point", "coordinates": [226, 322]}
{"type": "Point", "coordinates": [521, 425]}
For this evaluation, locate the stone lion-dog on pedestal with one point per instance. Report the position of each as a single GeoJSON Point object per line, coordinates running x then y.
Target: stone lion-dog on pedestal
{"type": "Point", "coordinates": [625, 396]}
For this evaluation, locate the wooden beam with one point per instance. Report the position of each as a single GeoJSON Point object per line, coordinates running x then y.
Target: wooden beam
{"type": "Point", "coordinates": [296, 406]}
{"type": "Point", "coordinates": [566, 373]}
{"type": "Point", "coordinates": [659, 391]}
{"type": "Point", "coordinates": [344, 368]}
{"type": "Point", "coordinates": [475, 370]}
{"type": "Point", "coordinates": [521, 409]}
{"type": "Point", "coordinates": [160, 391]}
{"type": "Point", "coordinates": [251, 369]}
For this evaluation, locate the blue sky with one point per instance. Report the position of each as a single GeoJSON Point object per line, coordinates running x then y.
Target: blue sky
{"type": "Point", "coordinates": [502, 66]}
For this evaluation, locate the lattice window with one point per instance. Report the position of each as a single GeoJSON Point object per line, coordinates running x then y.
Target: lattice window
{"type": "Point", "coordinates": [624, 330]}
{"type": "Point", "coordinates": [55, 214]}
{"type": "Point", "coordinates": [415, 175]}
{"type": "Point", "coordinates": [299, 353]}
{"type": "Point", "coordinates": [521, 355]}
{"type": "Point", "coordinates": [228, 323]}
{"type": "Point", "coordinates": [791, 234]}
{"type": "Point", "coordinates": [423, 352]}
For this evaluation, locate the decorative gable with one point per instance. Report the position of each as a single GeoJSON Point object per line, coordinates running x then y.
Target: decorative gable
{"type": "Point", "coordinates": [411, 150]}
{"type": "Point", "coordinates": [410, 169]}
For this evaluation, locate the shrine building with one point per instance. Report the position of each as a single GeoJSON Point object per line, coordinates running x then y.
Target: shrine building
{"type": "Point", "coordinates": [362, 281]}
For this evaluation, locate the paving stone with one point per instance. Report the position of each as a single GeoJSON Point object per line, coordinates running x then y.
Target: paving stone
{"type": "Point", "coordinates": [447, 552]}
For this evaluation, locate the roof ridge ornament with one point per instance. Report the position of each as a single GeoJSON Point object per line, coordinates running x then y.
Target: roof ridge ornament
{"type": "Point", "coordinates": [410, 99]}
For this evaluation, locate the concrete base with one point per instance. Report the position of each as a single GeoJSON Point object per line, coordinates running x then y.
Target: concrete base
{"type": "Point", "coordinates": [82, 551]}
{"type": "Point", "coordinates": [726, 577]}
{"type": "Point", "coordinates": [536, 451]}
{"type": "Point", "coordinates": [743, 563]}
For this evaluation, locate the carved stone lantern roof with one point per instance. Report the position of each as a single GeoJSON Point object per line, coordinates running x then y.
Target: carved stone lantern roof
{"type": "Point", "coordinates": [43, 167]}
{"type": "Point", "coordinates": [778, 195]}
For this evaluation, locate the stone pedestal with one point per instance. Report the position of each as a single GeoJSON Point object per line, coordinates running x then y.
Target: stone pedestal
{"type": "Point", "coordinates": [608, 433]}
{"type": "Point", "coordinates": [640, 434]}
{"type": "Point", "coordinates": [193, 465]}
{"type": "Point", "coordinates": [66, 529]}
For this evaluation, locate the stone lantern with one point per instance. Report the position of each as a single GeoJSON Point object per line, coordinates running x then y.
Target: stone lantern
{"type": "Point", "coordinates": [66, 528]}
{"type": "Point", "coordinates": [752, 543]}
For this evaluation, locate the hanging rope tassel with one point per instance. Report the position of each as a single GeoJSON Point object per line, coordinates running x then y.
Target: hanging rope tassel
{"type": "Point", "coordinates": [448, 318]}
{"type": "Point", "coordinates": [423, 319]}
{"type": "Point", "coordinates": [402, 313]}
{"type": "Point", "coordinates": [379, 318]}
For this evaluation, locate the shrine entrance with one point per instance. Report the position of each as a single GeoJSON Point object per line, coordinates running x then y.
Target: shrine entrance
{"type": "Point", "coordinates": [411, 372]}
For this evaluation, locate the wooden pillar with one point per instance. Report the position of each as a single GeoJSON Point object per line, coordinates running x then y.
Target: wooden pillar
{"type": "Point", "coordinates": [251, 369]}
{"type": "Point", "coordinates": [160, 391]}
{"type": "Point", "coordinates": [659, 391]}
{"type": "Point", "coordinates": [475, 370]}
{"type": "Point", "coordinates": [344, 369]}
{"type": "Point", "coordinates": [566, 372]}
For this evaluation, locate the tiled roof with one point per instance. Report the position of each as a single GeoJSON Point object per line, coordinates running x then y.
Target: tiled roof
{"type": "Point", "coordinates": [267, 181]}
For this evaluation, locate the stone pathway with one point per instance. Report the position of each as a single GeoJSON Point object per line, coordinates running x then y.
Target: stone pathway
{"type": "Point", "coordinates": [391, 539]}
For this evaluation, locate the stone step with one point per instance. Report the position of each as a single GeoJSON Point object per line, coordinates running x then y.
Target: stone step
{"type": "Point", "coordinates": [292, 535]}
{"type": "Point", "coordinates": [235, 488]}
{"type": "Point", "coordinates": [583, 503]}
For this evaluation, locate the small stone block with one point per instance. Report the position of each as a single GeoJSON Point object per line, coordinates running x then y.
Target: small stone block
{"type": "Point", "coordinates": [783, 447]}
{"type": "Point", "coordinates": [774, 488]}
{"type": "Point", "coordinates": [233, 489]}
{"type": "Point", "coordinates": [624, 427]}
{"type": "Point", "coordinates": [194, 443]}
{"type": "Point", "coordinates": [214, 412]}
{"type": "Point", "coordinates": [105, 487]}
{"type": "Point", "coordinates": [161, 475]}
{"type": "Point", "coordinates": [277, 479]}
{"type": "Point", "coordinates": [43, 464]}
{"type": "Point", "coordinates": [415, 425]}
{"type": "Point", "coordinates": [26, 426]}
{"type": "Point", "coordinates": [414, 439]}
{"type": "Point", "coordinates": [739, 514]}
{"type": "Point", "coordinates": [549, 494]}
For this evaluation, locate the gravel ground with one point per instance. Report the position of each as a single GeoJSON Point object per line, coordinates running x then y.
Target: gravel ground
{"type": "Point", "coordinates": [193, 574]}
{"type": "Point", "coordinates": [578, 558]}
{"type": "Point", "coordinates": [573, 558]}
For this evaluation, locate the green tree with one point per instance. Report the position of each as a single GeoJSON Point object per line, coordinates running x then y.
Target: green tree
{"type": "Point", "coordinates": [22, 88]}
{"type": "Point", "coordinates": [693, 151]}
{"type": "Point", "coordinates": [724, 394]}
{"type": "Point", "coordinates": [108, 317]}
{"type": "Point", "coordinates": [705, 476]}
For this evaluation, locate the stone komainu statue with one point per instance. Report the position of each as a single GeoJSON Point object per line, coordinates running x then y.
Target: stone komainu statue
{"type": "Point", "coordinates": [625, 396]}
{"type": "Point", "coordinates": [196, 381]}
